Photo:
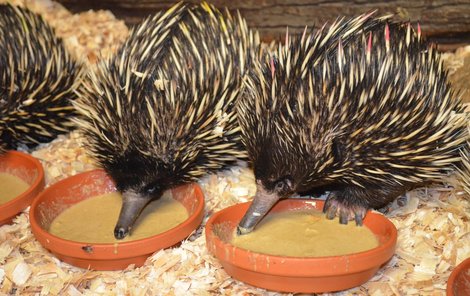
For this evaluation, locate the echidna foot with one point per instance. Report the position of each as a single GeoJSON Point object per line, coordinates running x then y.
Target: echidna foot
{"type": "Point", "coordinates": [346, 212]}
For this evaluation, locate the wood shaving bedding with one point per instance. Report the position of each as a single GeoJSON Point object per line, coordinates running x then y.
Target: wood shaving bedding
{"type": "Point", "coordinates": [433, 223]}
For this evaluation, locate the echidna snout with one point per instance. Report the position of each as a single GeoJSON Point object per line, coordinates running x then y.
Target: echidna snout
{"type": "Point", "coordinates": [133, 203]}
{"type": "Point", "coordinates": [140, 180]}
{"type": "Point", "coordinates": [264, 200]}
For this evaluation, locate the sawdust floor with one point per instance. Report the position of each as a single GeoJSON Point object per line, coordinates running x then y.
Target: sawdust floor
{"type": "Point", "coordinates": [433, 223]}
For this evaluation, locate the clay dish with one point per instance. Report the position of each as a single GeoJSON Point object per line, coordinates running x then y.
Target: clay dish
{"type": "Point", "coordinates": [298, 274]}
{"type": "Point", "coordinates": [106, 256]}
{"type": "Point", "coordinates": [30, 170]}
{"type": "Point", "coordinates": [458, 283]}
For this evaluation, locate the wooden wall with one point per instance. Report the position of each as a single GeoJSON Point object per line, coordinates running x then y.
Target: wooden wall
{"type": "Point", "coordinates": [446, 22]}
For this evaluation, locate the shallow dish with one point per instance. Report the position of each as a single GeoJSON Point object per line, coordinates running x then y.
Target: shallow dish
{"type": "Point", "coordinates": [458, 283]}
{"type": "Point", "coordinates": [30, 170]}
{"type": "Point", "coordinates": [298, 274]}
{"type": "Point", "coordinates": [106, 256]}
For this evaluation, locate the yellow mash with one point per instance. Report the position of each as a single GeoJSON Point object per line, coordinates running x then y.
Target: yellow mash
{"type": "Point", "coordinates": [93, 220]}
{"type": "Point", "coordinates": [305, 233]}
{"type": "Point", "coordinates": [10, 187]}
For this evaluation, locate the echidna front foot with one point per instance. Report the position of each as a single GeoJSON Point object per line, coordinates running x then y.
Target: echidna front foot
{"type": "Point", "coordinates": [352, 202]}
{"type": "Point", "coordinates": [347, 209]}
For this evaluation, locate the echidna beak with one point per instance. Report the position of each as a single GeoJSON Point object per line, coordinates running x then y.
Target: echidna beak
{"type": "Point", "coordinates": [262, 203]}
{"type": "Point", "coordinates": [132, 206]}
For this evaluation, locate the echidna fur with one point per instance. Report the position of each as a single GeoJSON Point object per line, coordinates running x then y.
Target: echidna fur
{"type": "Point", "coordinates": [37, 80]}
{"type": "Point", "coordinates": [161, 113]}
{"type": "Point", "coordinates": [363, 109]}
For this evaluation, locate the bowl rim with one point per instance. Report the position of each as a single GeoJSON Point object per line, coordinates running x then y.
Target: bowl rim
{"type": "Point", "coordinates": [37, 184]}
{"type": "Point", "coordinates": [454, 274]}
{"type": "Point", "coordinates": [126, 249]}
{"type": "Point", "coordinates": [304, 266]}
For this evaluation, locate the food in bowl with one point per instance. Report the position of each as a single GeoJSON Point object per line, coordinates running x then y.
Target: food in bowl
{"type": "Point", "coordinates": [305, 233]}
{"type": "Point", "coordinates": [93, 220]}
{"type": "Point", "coordinates": [10, 187]}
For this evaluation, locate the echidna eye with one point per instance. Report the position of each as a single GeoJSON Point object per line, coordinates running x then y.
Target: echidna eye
{"type": "Point", "coordinates": [152, 188]}
{"type": "Point", "coordinates": [283, 185]}
{"type": "Point", "coordinates": [279, 186]}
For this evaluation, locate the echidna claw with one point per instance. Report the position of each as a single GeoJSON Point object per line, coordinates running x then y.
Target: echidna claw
{"type": "Point", "coordinates": [330, 212]}
{"type": "Point", "coordinates": [345, 212]}
{"type": "Point", "coordinates": [343, 217]}
{"type": "Point", "coordinates": [358, 219]}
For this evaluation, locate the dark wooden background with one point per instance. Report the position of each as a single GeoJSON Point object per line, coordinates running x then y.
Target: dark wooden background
{"type": "Point", "coordinates": [446, 22]}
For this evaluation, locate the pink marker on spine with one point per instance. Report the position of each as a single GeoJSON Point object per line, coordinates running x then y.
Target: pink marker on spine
{"type": "Point", "coordinates": [419, 32]}
{"type": "Point", "coordinates": [387, 37]}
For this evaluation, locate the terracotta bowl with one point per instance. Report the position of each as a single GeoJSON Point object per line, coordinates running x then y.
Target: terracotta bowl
{"type": "Point", "coordinates": [458, 283]}
{"type": "Point", "coordinates": [106, 256]}
{"type": "Point", "coordinates": [298, 274]}
{"type": "Point", "coordinates": [30, 170]}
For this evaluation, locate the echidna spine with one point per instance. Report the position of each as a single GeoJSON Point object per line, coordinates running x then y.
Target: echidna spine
{"type": "Point", "coordinates": [37, 80]}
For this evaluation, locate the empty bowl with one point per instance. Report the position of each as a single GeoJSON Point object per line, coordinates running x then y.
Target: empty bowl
{"type": "Point", "coordinates": [298, 274]}
{"type": "Point", "coordinates": [28, 169]}
{"type": "Point", "coordinates": [106, 256]}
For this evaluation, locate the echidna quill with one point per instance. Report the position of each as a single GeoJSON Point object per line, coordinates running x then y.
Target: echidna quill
{"type": "Point", "coordinates": [464, 169]}
{"type": "Point", "coordinates": [161, 111]}
{"type": "Point", "coordinates": [366, 119]}
{"type": "Point", "coordinates": [37, 80]}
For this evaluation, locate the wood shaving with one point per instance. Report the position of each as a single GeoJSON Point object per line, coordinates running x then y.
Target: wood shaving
{"type": "Point", "coordinates": [433, 223]}
{"type": "Point", "coordinates": [453, 61]}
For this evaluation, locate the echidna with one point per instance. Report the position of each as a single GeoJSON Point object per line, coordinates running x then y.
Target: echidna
{"type": "Point", "coordinates": [161, 111]}
{"type": "Point", "coordinates": [37, 80]}
{"type": "Point", "coordinates": [363, 110]}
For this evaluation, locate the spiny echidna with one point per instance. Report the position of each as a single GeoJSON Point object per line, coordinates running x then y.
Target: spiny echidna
{"type": "Point", "coordinates": [37, 80]}
{"type": "Point", "coordinates": [365, 119]}
{"type": "Point", "coordinates": [161, 111]}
